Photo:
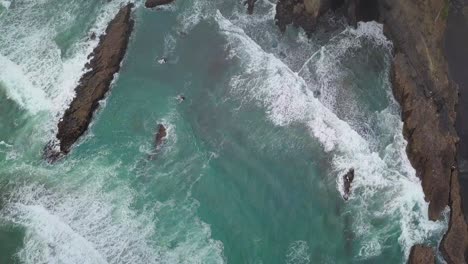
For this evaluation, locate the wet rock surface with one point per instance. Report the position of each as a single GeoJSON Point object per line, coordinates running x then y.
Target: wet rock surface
{"type": "Point", "coordinates": [306, 13]}
{"type": "Point", "coordinates": [160, 135]}
{"type": "Point", "coordinates": [421, 255]}
{"type": "Point", "coordinates": [250, 6]}
{"type": "Point", "coordinates": [94, 84]}
{"type": "Point", "coordinates": [427, 95]}
{"type": "Point", "coordinates": [155, 3]}
{"type": "Point", "coordinates": [347, 181]}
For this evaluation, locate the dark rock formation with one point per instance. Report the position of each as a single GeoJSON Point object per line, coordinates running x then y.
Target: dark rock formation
{"type": "Point", "coordinates": [250, 6]}
{"type": "Point", "coordinates": [160, 135]}
{"type": "Point", "coordinates": [427, 96]}
{"type": "Point", "coordinates": [305, 13]}
{"type": "Point", "coordinates": [94, 84]}
{"type": "Point", "coordinates": [421, 255]}
{"type": "Point", "coordinates": [347, 180]}
{"type": "Point", "coordinates": [428, 99]}
{"type": "Point", "coordinates": [155, 3]}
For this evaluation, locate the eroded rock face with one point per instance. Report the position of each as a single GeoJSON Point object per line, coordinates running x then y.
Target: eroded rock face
{"type": "Point", "coordinates": [421, 255]}
{"type": "Point", "coordinates": [155, 3]}
{"type": "Point", "coordinates": [427, 97]}
{"type": "Point", "coordinates": [94, 84]}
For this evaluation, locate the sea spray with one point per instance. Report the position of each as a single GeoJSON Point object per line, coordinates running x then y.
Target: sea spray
{"type": "Point", "coordinates": [269, 82]}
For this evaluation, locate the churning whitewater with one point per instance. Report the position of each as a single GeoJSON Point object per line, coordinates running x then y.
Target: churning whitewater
{"type": "Point", "coordinates": [251, 168]}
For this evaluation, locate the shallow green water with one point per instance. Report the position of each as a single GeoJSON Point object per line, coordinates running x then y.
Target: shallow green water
{"type": "Point", "coordinates": [251, 169]}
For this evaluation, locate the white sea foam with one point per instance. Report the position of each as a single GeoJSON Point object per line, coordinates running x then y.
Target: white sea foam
{"type": "Point", "coordinates": [80, 227]}
{"type": "Point", "coordinates": [298, 253]}
{"type": "Point", "coordinates": [5, 3]}
{"type": "Point", "coordinates": [383, 187]}
{"type": "Point", "coordinates": [87, 216]}
{"type": "Point", "coordinates": [39, 76]}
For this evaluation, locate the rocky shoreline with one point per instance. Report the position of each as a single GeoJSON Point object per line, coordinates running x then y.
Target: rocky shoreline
{"type": "Point", "coordinates": [427, 95]}
{"type": "Point", "coordinates": [94, 84]}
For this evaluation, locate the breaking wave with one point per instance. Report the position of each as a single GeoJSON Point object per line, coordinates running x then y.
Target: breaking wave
{"type": "Point", "coordinates": [386, 185]}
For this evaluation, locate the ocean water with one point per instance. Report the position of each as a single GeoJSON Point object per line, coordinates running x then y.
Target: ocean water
{"type": "Point", "coordinates": [251, 170]}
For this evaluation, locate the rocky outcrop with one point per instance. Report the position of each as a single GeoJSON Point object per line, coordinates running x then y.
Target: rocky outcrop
{"type": "Point", "coordinates": [94, 84]}
{"type": "Point", "coordinates": [427, 96]}
{"type": "Point", "coordinates": [250, 6]}
{"type": "Point", "coordinates": [160, 136]}
{"type": "Point", "coordinates": [155, 3]}
{"type": "Point", "coordinates": [300, 13]}
{"type": "Point", "coordinates": [421, 255]}
{"type": "Point", "coordinates": [347, 181]}
{"type": "Point", "coordinates": [428, 99]}
{"type": "Point", "coordinates": [305, 13]}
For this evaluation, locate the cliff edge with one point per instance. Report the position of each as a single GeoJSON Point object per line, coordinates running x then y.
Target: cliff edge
{"type": "Point", "coordinates": [421, 84]}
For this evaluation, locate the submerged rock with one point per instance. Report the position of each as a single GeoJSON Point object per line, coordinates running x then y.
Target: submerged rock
{"type": "Point", "coordinates": [94, 84]}
{"type": "Point", "coordinates": [155, 3]}
{"type": "Point", "coordinates": [421, 255]}
{"type": "Point", "coordinates": [347, 180]}
{"type": "Point", "coordinates": [160, 135]}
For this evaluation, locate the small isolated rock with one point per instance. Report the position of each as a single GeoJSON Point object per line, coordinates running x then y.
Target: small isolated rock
{"type": "Point", "coordinates": [155, 3]}
{"type": "Point", "coordinates": [180, 98]}
{"type": "Point", "coordinates": [162, 61]}
{"type": "Point", "coordinates": [347, 180]}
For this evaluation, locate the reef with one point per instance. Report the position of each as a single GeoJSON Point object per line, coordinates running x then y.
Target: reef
{"type": "Point", "coordinates": [425, 91]}
{"type": "Point", "coordinates": [94, 84]}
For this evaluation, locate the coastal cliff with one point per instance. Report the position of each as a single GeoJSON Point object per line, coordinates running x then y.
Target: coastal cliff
{"type": "Point", "coordinates": [94, 84]}
{"type": "Point", "coordinates": [422, 86]}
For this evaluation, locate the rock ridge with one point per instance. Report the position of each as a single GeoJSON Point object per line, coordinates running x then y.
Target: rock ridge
{"type": "Point", "coordinates": [94, 84]}
{"type": "Point", "coordinates": [427, 96]}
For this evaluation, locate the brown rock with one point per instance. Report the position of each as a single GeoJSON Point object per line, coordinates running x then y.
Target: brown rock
{"type": "Point", "coordinates": [94, 84]}
{"type": "Point", "coordinates": [425, 92]}
{"type": "Point", "coordinates": [428, 99]}
{"type": "Point", "coordinates": [421, 255]}
{"type": "Point", "coordinates": [160, 135]}
{"type": "Point", "coordinates": [155, 3]}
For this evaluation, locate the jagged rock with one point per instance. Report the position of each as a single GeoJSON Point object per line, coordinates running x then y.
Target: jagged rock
{"type": "Point", "coordinates": [160, 135]}
{"type": "Point", "coordinates": [155, 3]}
{"type": "Point", "coordinates": [428, 99]}
{"type": "Point", "coordinates": [421, 255]}
{"type": "Point", "coordinates": [94, 84]}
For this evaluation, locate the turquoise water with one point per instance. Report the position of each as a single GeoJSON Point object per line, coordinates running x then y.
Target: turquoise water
{"type": "Point", "coordinates": [251, 169]}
